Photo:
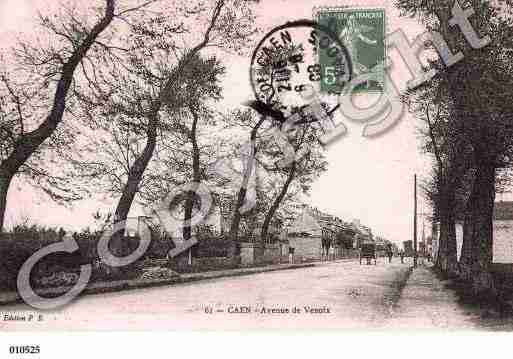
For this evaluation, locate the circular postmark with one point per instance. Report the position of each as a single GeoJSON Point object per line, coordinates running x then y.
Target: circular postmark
{"type": "Point", "coordinates": [296, 62]}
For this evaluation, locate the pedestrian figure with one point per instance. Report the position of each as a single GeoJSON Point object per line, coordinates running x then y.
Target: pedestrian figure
{"type": "Point", "coordinates": [402, 257]}
{"type": "Point", "coordinates": [291, 255]}
{"type": "Point", "coordinates": [390, 254]}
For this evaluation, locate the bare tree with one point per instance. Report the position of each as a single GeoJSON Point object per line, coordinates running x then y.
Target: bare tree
{"type": "Point", "coordinates": [146, 85]}
{"type": "Point", "coordinates": [451, 153]}
{"type": "Point", "coordinates": [37, 91]}
{"type": "Point", "coordinates": [303, 170]}
{"type": "Point", "coordinates": [268, 108]}
{"type": "Point", "coordinates": [249, 168]}
{"type": "Point", "coordinates": [34, 98]}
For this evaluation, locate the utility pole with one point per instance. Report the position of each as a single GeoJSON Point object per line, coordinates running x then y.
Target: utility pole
{"type": "Point", "coordinates": [415, 221]}
{"type": "Point", "coordinates": [424, 244]}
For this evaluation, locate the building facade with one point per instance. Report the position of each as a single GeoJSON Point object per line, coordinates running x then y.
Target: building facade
{"type": "Point", "coordinates": [315, 235]}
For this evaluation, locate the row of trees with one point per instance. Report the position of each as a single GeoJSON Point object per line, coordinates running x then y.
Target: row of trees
{"type": "Point", "coordinates": [468, 127]}
{"type": "Point", "coordinates": [120, 99]}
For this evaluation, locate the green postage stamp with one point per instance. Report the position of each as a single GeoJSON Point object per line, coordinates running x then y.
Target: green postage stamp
{"type": "Point", "coordinates": [362, 31]}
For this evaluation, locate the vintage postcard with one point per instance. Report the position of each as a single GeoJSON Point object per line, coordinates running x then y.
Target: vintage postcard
{"type": "Point", "coordinates": [231, 165]}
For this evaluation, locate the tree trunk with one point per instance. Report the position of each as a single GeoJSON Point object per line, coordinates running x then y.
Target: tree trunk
{"type": "Point", "coordinates": [189, 201]}
{"type": "Point", "coordinates": [189, 205]}
{"type": "Point", "coordinates": [276, 204]}
{"type": "Point", "coordinates": [452, 252]}
{"type": "Point", "coordinates": [447, 259]}
{"type": "Point", "coordinates": [241, 195]}
{"type": "Point", "coordinates": [5, 182]}
{"type": "Point", "coordinates": [481, 203]}
{"type": "Point", "coordinates": [236, 217]}
{"type": "Point", "coordinates": [465, 263]}
{"type": "Point", "coordinates": [443, 260]}
{"type": "Point", "coordinates": [440, 256]}
{"type": "Point", "coordinates": [132, 185]}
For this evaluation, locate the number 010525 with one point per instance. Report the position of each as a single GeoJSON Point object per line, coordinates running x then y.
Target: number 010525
{"type": "Point", "coordinates": [24, 349]}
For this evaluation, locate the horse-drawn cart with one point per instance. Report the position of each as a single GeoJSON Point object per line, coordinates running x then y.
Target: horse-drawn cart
{"type": "Point", "coordinates": [368, 252]}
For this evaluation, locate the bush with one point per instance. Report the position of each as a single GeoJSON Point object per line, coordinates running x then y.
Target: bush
{"type": "Point", "coordinates": [104, 273]}
{"type": "Point", "coordinates": [20, 244]}
{"type": "Point", "coordinates": [57, 268]}
{"type": "Point", "coordinates": [12, 255]}
{"type": "Point", "coordinates": [157, 273]}
{"type": "Point", "coordinates": [56, 279]}
{"type": "Point", "coordinates": [159, 247]}
{"type": "Point", "coordinates": [208, 248]}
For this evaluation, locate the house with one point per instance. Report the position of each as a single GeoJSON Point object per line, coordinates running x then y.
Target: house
{"type": "Point", "coordinates": [314, 232]}
{"type": "Point", "coordinates": [305, 236]}
{"type": "Point", "coordinates": [503, 233]}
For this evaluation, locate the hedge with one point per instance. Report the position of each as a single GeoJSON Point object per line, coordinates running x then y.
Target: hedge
{"type": "Point", "coordinates": [16, 248]}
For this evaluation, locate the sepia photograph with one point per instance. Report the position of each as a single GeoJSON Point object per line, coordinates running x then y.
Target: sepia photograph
{"type": "Point", "coordinates": [255, 166]}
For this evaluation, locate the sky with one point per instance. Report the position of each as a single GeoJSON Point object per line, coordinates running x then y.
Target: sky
{"type": "Point", "coordinates": [367, 179]}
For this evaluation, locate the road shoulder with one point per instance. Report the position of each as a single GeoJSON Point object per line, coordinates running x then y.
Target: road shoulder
{"type": "Point", "coordinates": [427, 303]}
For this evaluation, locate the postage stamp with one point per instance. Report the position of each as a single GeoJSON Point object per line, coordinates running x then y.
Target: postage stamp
{"type": "Point", "coordinates": [362, 31]}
